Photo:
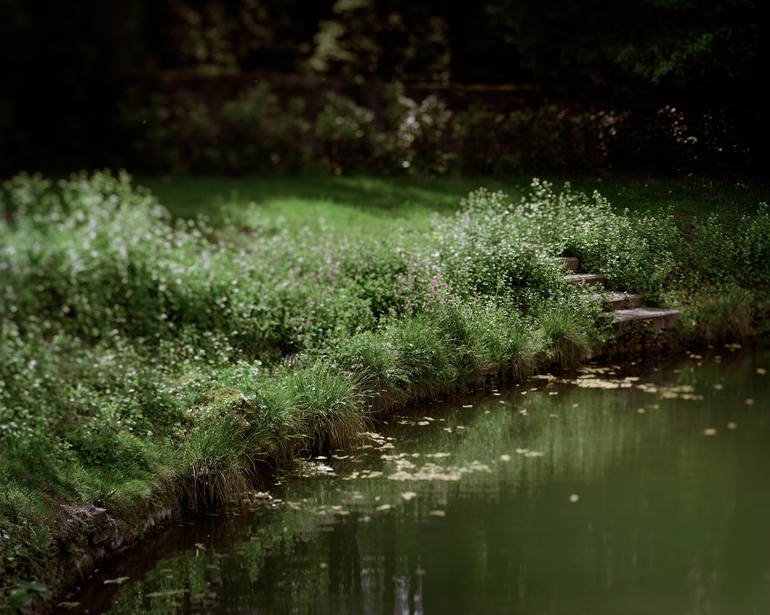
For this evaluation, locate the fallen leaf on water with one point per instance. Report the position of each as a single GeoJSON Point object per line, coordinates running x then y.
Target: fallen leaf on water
{"type": "Point", "coordinates": [641, 410]}
{"type": "Point", "coordinates": [384, 507]}
{"type": "Point", "coordinates": [748, 401]}
{"type": "Point", "coordinates": [732, 425]}
{"type": "Point", "coordinates": [408, 495]}
{"type": "Point", "coordinates": [718, 387]}
{"type": "Point", "coordinates": [437, 513]}
{"type": "Point", "coordinates": [709, 431]}
{"type": "Point", "coordinates": [323, 565]}
{"type": "Point", "coordinates": [420, 571]}
{"type": "Point", "coordinates": [467, 405]}
{"type": "Point", "coordinates": [168, 592]}
{"type": "Point", "coordinates": [505, 457]}
{"type": "Point", "coordinates": [116, 581]}
{"type": "Point", "coordinates": [574, 498]}
{"type": "Point", "coordinates": [761, 371]}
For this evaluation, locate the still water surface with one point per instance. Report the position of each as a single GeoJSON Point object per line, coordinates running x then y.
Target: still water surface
{"type": "Point", "coordinates": [641, 491]}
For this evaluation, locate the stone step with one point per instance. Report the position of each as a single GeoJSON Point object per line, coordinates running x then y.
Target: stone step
{"type": "Point", "coordinates": [584, 278]}
{"type": "Point", "coordinates": [618, 301]}
{"type": "Point", "coordinates": [657, 318]}
{"type": "Point", "coordinates": [569, 263]}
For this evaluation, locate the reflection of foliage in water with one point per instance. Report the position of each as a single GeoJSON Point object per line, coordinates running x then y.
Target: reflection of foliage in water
{"type": "Point", "coordinates": [327, 547]}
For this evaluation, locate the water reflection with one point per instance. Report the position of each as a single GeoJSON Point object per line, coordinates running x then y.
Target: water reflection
{"type": "Point", "coordinates": [551, 497]}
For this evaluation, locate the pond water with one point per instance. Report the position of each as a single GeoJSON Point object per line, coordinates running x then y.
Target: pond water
{"type": "Point", "coordinates": [635, 491]}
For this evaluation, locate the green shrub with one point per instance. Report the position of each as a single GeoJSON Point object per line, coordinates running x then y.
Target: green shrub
{"type": "Point", "coordinates": [484, 144]}
{"type": "Point", "coordinates": [260, 136]}
{"type": "Point", "coordinates": [346, 134]}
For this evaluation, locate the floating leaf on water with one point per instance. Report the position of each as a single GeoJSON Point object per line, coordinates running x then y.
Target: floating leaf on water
{"type": "Point", "coordinates": [553, 392]}
{"type": "Point", "coordinates": [437, 513]}
{"type": "Point", "coordinates": [447, 429]}
{"type": "Point", "coordinates": [118, 580]}
{"type": "Point", "coordinates": [718, 387]}
{"type": "Point", "coordinates": [323, 565]}
{"type": "Point", "coordinates": [467, 405]}
{"type": "Point", "coordinates": [574, 498]}
{"type": "Point", "coordinates": [438, 455]}
{"type": "Point", "coordinates": [384, 507]}
{"type": "Point", "coordinates": [709, 431]}
{"type": "Point", "coordinates": [167, 593]}
{"type": "Point", "coordinates": [641, 410]}
{"type": "Point", "coordinates": [505, 457]}
{"type": "Point", "coordinates": [748, 401]}
{"type": "Point", "coordinates": [408, 495]}
{"type": "Point", "coordinates": [420, 572]}
{"type": "Point", "coordinates": [423, 423]}
{"type": "Point", "coordinates": [732, 425]}
{"type": "Point", "coordinates": [575, 405]}
{"type": "Point", "coordinates": [497, 394]}
{"type": "Point", "coordinates": [761, 371]}
{"type": "Point", "coordinates": [597, 383]}
{"type": "Point", "coordinates": [400, 475]}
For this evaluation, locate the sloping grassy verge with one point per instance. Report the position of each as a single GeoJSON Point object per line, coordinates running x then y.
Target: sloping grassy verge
{"type": "Point", "coordinates": [149, 364]}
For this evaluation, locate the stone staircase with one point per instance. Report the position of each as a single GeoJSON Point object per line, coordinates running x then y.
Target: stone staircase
{"type": "Point", "coordinates": [626, 308]}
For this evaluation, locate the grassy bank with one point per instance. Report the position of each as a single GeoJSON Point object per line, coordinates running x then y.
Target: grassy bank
{"type": "Point", "coordinates": [151, 361]}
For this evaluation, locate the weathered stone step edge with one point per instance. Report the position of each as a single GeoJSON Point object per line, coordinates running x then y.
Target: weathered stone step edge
{"type": "Point", "coordinates": [658, 318]}
{"type": "Point", "coordinates": [617, 301]}
{"type": "Point", "coordinates": [585, 278]}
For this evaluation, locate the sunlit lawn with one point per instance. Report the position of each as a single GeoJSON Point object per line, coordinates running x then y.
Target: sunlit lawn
{"type": "Point", "coordinates": [371, 205]}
